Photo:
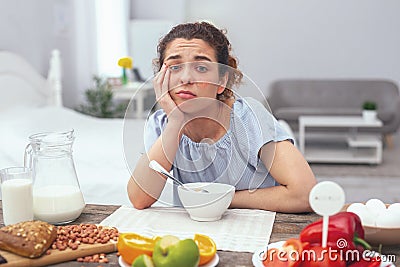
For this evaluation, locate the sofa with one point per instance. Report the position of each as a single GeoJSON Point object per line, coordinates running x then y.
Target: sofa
{"type": "Point", "coordinates": [290, 98]}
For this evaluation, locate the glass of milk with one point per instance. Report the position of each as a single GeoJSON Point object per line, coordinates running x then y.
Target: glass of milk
{"type": "Point", "coordinates": [16, 190]}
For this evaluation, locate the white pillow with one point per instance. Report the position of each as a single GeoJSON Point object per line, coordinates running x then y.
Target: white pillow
{"type": "Point", "coordinates": [17, 92]}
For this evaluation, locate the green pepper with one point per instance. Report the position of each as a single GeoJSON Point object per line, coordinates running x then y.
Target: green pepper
{"type": "Point", "coordinates": [345, 232]}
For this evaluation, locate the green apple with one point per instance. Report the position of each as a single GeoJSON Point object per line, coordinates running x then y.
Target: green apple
{"type": "Point", "coordinates": [169, 251]}
{"type": "Point", "coordinates": [143, 261]}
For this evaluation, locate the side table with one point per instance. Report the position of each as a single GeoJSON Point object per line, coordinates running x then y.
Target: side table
{"type": "Point", "coordinates": [136, 90]}
{"type": "Point", "coordinates": [352, 147]}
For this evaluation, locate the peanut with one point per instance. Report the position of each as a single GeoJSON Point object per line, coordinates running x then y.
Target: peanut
{"type": "Point", "coordinates": [71, 236]}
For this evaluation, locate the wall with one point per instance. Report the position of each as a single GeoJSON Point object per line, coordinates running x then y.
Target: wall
{"type": "Point", "coordinates": [172, 10]}
{"type": "Point", "coordinates": [151, 20]}
{"type": "Point", "coordinates": [22, 30]}
{"type": "Point", "coordinates": [309, 39]}
{"type": "Point", "coordinates": [33, 28]}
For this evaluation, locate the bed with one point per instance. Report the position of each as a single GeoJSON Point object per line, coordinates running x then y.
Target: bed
{"type": "Point", "coordinates": [31, 103]}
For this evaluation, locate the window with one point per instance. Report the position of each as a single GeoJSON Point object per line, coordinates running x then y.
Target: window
{"type": "Point", "coordinates": [112, 17]}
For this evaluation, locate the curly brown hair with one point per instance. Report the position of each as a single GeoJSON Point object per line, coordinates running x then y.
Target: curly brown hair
{"type": "Point", "coordinates": [216, 39]}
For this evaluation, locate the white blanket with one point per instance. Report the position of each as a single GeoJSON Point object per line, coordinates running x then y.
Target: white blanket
{"type": "Point", "coordinates": [98, 149]}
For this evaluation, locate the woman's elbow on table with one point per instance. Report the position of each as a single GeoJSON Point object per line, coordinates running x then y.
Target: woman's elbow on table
{"type": "Point", "coordinates": [303, 204]}
{"type": "Point", "coordinates": [140, 205]}
{"type": "Point", "coordinates": [137, 197]}
{"type": "Point", "coordinates": [302, 195]}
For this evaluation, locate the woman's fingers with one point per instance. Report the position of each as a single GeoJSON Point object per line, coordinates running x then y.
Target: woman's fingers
{"type": "Point", "coordinates": [161, 88]}
{"type": "Point", "coordinates": [165, 83]}
{"type": "Point", "coordinates": [158, 81]}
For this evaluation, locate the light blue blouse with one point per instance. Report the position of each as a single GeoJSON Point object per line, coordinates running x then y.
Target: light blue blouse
{"type": "Point", "coordinates": [233, 159]}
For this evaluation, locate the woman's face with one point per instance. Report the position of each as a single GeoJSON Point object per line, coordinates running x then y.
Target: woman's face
{"type": "Point", "coordinates": [193, 70]}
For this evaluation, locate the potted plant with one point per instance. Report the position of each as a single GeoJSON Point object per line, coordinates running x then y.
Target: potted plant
{"type": "Point", "coordinates": [369, 110]}
{"type": "Point", "coordinates": [100, 101]}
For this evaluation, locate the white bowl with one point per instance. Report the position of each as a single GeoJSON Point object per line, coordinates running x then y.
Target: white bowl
{"type": "Point", "coordinates": [376, 235]}
{"type": "Point", "coordinates": [203, 206]}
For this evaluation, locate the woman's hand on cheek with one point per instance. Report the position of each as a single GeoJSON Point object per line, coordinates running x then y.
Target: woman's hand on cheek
{"type": "Point", "coordinates": [161, 88]}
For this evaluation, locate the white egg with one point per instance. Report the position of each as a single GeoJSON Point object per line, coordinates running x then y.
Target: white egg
{"type": "Point", "coordinates": [355, 206]}
{"type": "Point", "coordinates": [375, 206]}
{"type": "Point", "coordinates": [394, 206]}
{"type": "Point", "coordinates": [362, 211]}
{"type": "Point", "coordinates": [388, 219]}
{"type": "Point", "coordinates": [394, 210]}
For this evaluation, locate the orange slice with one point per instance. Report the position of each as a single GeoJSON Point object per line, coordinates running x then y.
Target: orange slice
{"type": "Point", "coordinates": [207, 248]}
{"type": "Point", "coordinates": [131, 245]}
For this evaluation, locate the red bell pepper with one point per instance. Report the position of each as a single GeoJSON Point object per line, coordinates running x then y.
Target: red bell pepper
{"type": "Point", "coordinates": [345, 232]}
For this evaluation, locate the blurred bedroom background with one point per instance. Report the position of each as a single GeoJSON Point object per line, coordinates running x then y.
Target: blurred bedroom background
{"type": "Point", "coordinates": [273, 40]}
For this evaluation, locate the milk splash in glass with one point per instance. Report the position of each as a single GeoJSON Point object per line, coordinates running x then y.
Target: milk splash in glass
{"type": "Point", "coordinates": [16, 191]}
{"type": "Point", "coordinates": [57, 197]}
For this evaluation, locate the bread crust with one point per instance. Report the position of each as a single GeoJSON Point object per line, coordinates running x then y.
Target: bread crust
{"type": "Point", "coordinates": [29, 239]}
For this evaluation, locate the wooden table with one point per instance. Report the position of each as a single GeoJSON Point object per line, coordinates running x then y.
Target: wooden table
{"type": "Point", "coordinates": [285, 226]}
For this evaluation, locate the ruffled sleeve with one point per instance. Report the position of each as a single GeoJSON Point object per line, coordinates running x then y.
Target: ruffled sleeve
{"type": "Point", "coordinates": [155, 124]}
{"type": "Point", "coordinates": [260, 126]}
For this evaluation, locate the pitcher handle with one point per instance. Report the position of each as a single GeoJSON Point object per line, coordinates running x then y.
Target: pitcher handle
{"type": "Point", "coordinates": [28, 153]}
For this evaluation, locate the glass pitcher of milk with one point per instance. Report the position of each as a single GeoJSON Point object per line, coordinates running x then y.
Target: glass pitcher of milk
{"type": "Point", "coordinates": [57, 197]}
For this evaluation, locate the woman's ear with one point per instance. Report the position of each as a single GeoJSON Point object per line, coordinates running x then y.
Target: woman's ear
{"type": "Point", "coordinates": [223, 81]}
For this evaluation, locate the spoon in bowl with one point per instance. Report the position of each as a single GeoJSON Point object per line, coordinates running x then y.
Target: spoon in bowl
{"type": "Point", "coordinates": [160, 169]}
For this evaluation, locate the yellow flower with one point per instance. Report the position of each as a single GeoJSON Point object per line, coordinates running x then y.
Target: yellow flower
{"type": "Point", "coordinates": [125, 62]}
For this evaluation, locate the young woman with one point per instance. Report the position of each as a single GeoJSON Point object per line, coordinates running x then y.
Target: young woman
{"type": "Point", "coordinates": [205, 133]}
